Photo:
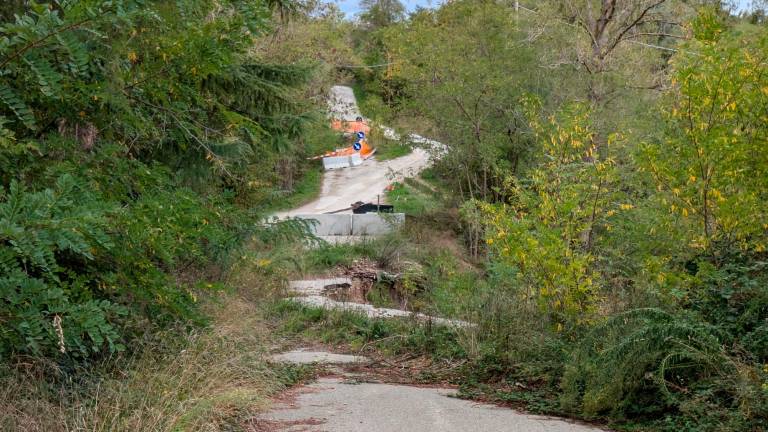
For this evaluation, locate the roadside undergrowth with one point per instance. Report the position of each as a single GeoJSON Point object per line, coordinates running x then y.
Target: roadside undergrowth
{"type": "Point", "coordinates": [210, 378]}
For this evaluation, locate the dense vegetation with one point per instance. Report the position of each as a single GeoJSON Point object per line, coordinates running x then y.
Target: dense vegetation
{"type": "Point", "coordinates": [139, 139]}
{"type": "Point", "coordinates": [607, 162]}
{"type": "Point", "coordinates": [605, 172]}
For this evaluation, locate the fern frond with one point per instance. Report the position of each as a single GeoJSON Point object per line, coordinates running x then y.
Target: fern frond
{"type": "Point", "coordinates": [19, 107]}
{"type": "Point", "coordinates": [47, 77]}
{"type": "Point", "coordinates": [618, 356]}
{"type": "Point", "coordinates": [78, 53]}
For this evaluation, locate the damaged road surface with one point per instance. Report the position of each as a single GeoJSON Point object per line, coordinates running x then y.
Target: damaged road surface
{"type": "Point", "coordinates": [343, 400]}
{"type": "Point", "coordinates": [347, 401]}
{"type": "Point", "coordinates": [338, 405]}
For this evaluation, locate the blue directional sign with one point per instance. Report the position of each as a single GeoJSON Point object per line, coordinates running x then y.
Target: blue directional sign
{"type": "Point", "coordinates": [361, 135]}
{"type": "Point", "coordinates": [357, 146]}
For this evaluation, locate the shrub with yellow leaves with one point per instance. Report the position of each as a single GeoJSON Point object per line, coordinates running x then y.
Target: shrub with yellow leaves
{"type": "Point", "coordinates": [548, 231]}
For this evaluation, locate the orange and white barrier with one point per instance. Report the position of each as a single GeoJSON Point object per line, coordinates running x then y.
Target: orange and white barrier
{"type": "Point", "coordinates": [353, 155]}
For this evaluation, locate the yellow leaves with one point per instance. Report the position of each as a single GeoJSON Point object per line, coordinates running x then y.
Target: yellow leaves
{"type": "Point", "coordinates": [133, 57]}
{"type": "Point", "coordinates": [764, 90]}
{"type": "Point", "coordinates": [684, 212]}
{"type": "Point", "coordinates": [745, 73]}
{"type": "Point", "coordinates": [263, 262]}
{"type": "Point", "coordinates": [626, 206]}
{"type": "Point", "coordinates": [692, 179]}
{"type": "Point", "coordinates": [489, 241]}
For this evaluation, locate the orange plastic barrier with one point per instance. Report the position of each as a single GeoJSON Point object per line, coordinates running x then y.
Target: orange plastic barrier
{"type": "Point", "coordinates": [350, 126]}
{"type": "Point", "coordinates": [365, 151]}
{"type": "Point", "coordinates": [352, 155]}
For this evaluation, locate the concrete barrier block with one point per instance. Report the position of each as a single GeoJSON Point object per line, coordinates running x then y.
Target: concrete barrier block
{"type": "Point", "coordinates": [330, 224]}
{"type": "Point", "coordinates": [355, 160]}
{"type": "Point", "coordinates": [335, 162]}
{"type": "Point", "coordinates": [376, 223]}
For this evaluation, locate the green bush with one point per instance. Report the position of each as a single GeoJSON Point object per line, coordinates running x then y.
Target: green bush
{"type": "Point", "coordinates": [133, 136]}
{"type": "Point", "coordinates": [48, 306]}
{"type": "Point", "coordinates": [647, 362]}
{"type": "Point", "coordinates": [84, 273]}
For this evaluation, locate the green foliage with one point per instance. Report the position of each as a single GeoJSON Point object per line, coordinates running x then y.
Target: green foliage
{"type": "Point", "coordinates": [548, 230]}
{"type": "Point", "coordinates": [735, 298]}
{"type": "Point", "coordinates": [638, 357]}
{"type": "Point", "coordinates": [381, 13]}
{"type": "Point", "coordinates": [393, 336]}
{"type": "Point", "coordinates": [710, 169]}
{"type": "Point", "coordinates": [128, 131]}
{"type": "Point", "coordinates": [467, 88]}
{"type": "Point", "coordinates": [47, 308]}
{"type": "Point", "coordinates": [409, 200]}
{"type": "Point", "coordinates": [184, 95]}
{"type": "Point", "coordinates": [646, 362]}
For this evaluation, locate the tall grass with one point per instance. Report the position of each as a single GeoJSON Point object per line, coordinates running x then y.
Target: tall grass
{"type": "Point", "coordinates": [209, 380]}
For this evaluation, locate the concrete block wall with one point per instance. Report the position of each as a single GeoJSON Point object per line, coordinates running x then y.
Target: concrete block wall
{"type": "Point", "coordinates": [330, 224]}
{"type": "Point", "coordinates": [376, 223]}
{"type": "Point", "coordinates": [369, 224]}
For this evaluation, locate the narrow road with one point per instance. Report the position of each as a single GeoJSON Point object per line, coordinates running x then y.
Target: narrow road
{"type": "Point", "coordinates": [348, 402]}
{"type": "Point", "coordinates": [366, 182]}
{"type": "Point", "coordinates": [344, 405]}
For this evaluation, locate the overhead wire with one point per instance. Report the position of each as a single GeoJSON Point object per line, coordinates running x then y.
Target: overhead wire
{"type": "Point", "coordinates": [518, 7]}
{"type": "Point", "coordinates": [648, 45]}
